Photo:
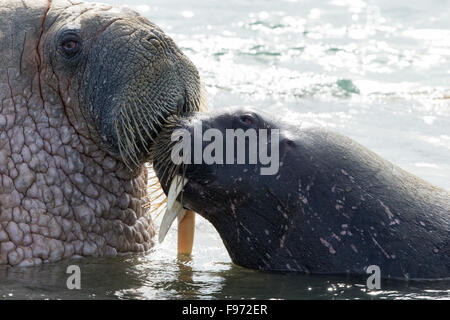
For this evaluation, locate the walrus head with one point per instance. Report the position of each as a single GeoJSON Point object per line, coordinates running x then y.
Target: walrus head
{"type": "Point", "coordinates": [119, 74]}
{"type": "Point", "coordinates": [226, 194]}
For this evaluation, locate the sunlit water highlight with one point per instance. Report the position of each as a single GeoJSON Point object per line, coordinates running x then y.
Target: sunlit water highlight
{"type": "Point", "coordinates": [377, 72]}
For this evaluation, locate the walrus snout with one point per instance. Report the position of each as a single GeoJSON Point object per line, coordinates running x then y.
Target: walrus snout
{"type": "Point", "coordinates": [158, 85]}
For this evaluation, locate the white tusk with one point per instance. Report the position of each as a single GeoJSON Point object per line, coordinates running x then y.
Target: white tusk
{"type": "Point", "coordinates": [174, 190]}
{"type": "Point", "coordinates": [174, 207]}
{"type": "Point", "coordinates": [169, 218]}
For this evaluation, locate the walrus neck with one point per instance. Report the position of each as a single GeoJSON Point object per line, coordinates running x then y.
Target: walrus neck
{"type": "Point", "coordinates": [60, 194]}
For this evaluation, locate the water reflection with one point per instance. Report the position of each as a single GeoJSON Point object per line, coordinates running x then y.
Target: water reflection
{"type": "Point", "coordinates": [135, 277]}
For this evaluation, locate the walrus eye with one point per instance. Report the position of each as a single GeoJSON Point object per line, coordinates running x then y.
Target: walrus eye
{"type": "Point", "coordinates": [70, 45]}
{"type": "Point", "coordinates": [247, 119]}
{"type": "Point", "coordinates": [290, 143]}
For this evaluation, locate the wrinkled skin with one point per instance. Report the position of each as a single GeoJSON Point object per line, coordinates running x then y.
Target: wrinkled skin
{"type": "Point", "coordinates": [75, 80]}
{"type": "Point", "coordinates": [333, 207]}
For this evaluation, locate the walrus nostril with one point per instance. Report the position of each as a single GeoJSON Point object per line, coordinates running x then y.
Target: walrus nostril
{"type": "Point", "coordinates": [151, 43]}
{"type": "Point", "coordinates": [151, 38]}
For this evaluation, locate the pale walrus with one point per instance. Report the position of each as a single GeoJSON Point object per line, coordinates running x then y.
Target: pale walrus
{"type": "Point", "coordinates": [84, 89]}
{"type": "Point", "coordinates": [332, 207]}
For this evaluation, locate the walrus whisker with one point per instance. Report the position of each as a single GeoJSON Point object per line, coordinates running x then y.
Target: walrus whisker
{"type": "Point", "coordinates": [143, 118]}
{"type": "Point", "coordinates": [126, 124]}
{"type": "Point", "coordinates": [131, 146]}
{"type": "Point", "coordinates": [163, 173]}
{"type": "Point", "coordinates": [158, 207]}
{"type": "Point", "coordinates": [124, 152]}
{"type": "Point", "coordinates": [124, 148]}
{"type": "Point", "coordinates": [138, 125]}
{"type": "Point", "coordinates": [133, 137]}
{"type": "Point", "coordinates": [153, 185]}
{"type": "Point", "coordinates": [157, 198]}
{"type": "Point", "coordinates": [146, 116]}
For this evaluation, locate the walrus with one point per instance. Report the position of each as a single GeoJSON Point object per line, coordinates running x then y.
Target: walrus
{"type": "Point", "coordinates": [333, 206]}
{"type": "Point", "coordinates": [84, 90]}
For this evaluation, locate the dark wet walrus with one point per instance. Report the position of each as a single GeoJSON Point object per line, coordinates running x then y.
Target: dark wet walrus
{"type": "Point", "coordinates": [333, 207]}
{"type": "Point", "coordinates": [84, 88]}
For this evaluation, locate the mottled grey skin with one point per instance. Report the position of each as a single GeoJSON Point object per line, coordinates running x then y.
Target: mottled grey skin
{"type": "Point", "coordinates": [69, 186]}
{"type": "Point", "coordinates": [333, 207]}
